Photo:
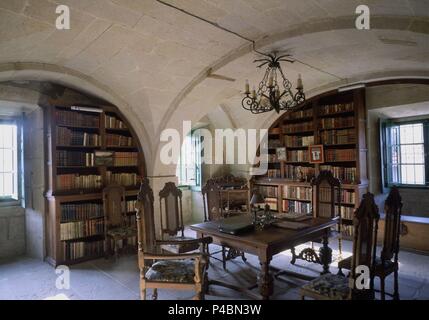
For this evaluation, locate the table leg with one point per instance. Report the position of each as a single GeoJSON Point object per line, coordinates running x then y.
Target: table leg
{"type": "Point", "coordinates": [265, 279]}
{"type": "Point", "coordinates": [325, 253]}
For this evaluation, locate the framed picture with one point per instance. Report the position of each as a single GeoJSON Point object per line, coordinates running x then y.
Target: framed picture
{"type": "Point", "coordinates": [104, 158]}
{"type": "Point", "coordinates": [316, 154]}
{"type": "Point", "coordinates": [281, 154]}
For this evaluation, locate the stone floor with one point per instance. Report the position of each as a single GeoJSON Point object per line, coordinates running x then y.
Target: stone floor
{"type": "Point", "coordinates": [26, 278]}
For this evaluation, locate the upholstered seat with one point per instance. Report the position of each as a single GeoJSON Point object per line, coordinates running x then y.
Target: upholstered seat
{"type": "Point", "coordinates": [180, 248]}
{"type": "Point", "coordinates": [332, 286]}
{"type": "Point", "coordinates": [181, 271]}
{"type": "Point", "coordinates": [122, 232]}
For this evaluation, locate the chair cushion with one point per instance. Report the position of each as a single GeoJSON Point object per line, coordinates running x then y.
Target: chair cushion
{"type": "Point", "coordinates": [122, 232]}
{"type": "Point", "coordinates": [330, 285]}
{"type": "Point", "coordinates": [180, 248]}
{"type": "Point", "coordinates": [172, 271]}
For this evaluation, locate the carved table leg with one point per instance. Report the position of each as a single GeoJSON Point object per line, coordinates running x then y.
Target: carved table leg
{"type": "Point", "coordinates": [293, 260]}
{"type": "Point", "coordinates": [325, 253]}
{"type": "Point", "coordinates": [265, 279]}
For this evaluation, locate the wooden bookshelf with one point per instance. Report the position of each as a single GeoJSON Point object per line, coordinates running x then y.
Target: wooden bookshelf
{"type": "Point", "coordinates": [75, 223]}
{"type": "Point", "coordinates": [334, 120]}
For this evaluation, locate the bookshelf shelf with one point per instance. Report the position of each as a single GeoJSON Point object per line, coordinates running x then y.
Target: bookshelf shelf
{"type": "Point", "coordinates": [75, 232]}
{"type": "Point", "coordinates": [79, 127]}
{"type": "Point", "coordinates": [336, 121]}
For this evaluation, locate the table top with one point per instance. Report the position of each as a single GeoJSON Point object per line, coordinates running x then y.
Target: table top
{"type": "Point", "coordinates": [270, 236]}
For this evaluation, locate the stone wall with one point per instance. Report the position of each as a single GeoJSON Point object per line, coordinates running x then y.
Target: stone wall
{"type": "Point", "coordinates": [12, 231]}
{"type": "Point", "coordinates": [34, 184]}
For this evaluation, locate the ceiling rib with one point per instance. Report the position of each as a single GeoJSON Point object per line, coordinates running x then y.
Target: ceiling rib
{"type": "Point", "coordinates": [216, 25]}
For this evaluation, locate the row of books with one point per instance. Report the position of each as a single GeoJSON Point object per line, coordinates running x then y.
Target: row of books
{"type": "Point", "coordinates": [325, 210]}
{"type": "Point", "coordinates": [81, 211]}
{"type": "Point", "coordinates": [272, 202]}
{"type": "Point", "coordinates": [75, 159]}
{"type": "Point", "coordinates": [344, 174]}
{"type": "Point", "coordinates": [119, 140]}
{"type": "Point", "coordinates": [332, 123]}
{"type": "Point", "coordinates": [274, 143]}
{"type": "Point", "coordinates": [81, 229]}
{"type": "Point", "coordinates": [114, 123]}
{"type": "Point", "coordinates": [336, 108]}
{"type": "Point", "coordinates": [299, 141]}
{"type": "Point", "coordinates": [268, 191]}
{"type": "Point", "coordinates": [325, 194]}
{"type": "Point", "coordinates": [340, 155]}
{"type": "Point", "coordinates": [347, 231]}
{"type": "Point", "coordinates": [299, 114]}
{"type": "Point", "coordinates": [77, 250]}
{"type": "Point", "coordinates": [76, 181]}
{"type": "Point", "coordinates": [299, 173]}
{"type": "Point", "coordinates": [347, 212]}
{"type": "Point", "coordinates": [76, 119]}
{"type": "Point", "coordinates": [274, 173]}
{"type": "Point", "coordinates": [339, 136]}
{"type": "Point", "coordinates": [67, 137]}
{"type": "Point", "coordinates": [130, 205]}
{"type": "Point", "coordinates": [298, 127]}
{"type": "Point", "coordinates": [293, 192]}
{"type": "Point", "coordinates": [296, 206]}
{"type": "Point", "coordinates": [297, 156]}
{"type": "Point", "coordinates": [125, 179]}
{"type": "Point", "coordinates": [125, 158]}
{"type": "Point", "coordinates": [348, 196]}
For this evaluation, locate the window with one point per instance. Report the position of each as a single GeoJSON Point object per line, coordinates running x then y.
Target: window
{"type": "Point", "coordinates": [8, 161]}
{"type": "Point", "coordinates": [405, 148]}
{"type": "Point", "coordinates": [189, 167]}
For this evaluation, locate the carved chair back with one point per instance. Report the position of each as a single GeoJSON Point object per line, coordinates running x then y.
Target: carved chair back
{"type": "Point", "coordinates": [170, 204]}
{"type": "Point", "coordinates": [211, 201]}
{"type": "Point", "coordinates": [326, 195]}
{"type": "Point", "coordinates": [365, 224]}
{"type": "Point", "coordinates": [145, 218]}
{"type": "Point", "coordinates": [114, 206]}
{"type": "Point", "coordinates": [393, 211]}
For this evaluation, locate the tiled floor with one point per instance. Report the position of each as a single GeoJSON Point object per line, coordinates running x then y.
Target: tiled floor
{"type": "Point", "coordinates": [25, 278]}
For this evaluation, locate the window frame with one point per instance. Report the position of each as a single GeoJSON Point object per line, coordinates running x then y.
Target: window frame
{"type": "Point", "coordinates": [196, 144]}
{"type": "Point", "coordinates": [10, 200]}
{"type": "Point", "coordinates": [384, 124]}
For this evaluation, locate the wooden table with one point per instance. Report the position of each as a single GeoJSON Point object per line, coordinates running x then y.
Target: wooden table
{"type": "Point", "coordinates": [269, 242]}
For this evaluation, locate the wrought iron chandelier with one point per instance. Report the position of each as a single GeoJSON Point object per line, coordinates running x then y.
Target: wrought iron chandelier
{"type": "Point", "coordinates": [274, 91]}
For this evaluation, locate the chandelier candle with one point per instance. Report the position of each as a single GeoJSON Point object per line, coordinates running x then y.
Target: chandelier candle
{"type": "Point", "coordinates": [274, 91]}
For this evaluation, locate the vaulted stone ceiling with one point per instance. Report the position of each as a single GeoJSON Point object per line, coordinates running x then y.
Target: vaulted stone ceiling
{"type": "Point", "coordinates": [153, 61]}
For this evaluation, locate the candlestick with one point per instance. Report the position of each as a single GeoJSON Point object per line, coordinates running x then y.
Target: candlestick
{"type": "Point", "coordinates": [299, 84]}
{"type": "Point", "coordinates": [247, 87]}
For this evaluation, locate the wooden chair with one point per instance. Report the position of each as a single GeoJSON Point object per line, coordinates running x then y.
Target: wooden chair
{"type": "Point", "coordinates": [159, 270]}
{"type": "Point", "coordinates": [384, 265]}
{"type": "Point", "coordinates": [115, 225]}
{"type": "Point", "coordinates": [338, 287]}
{"type": "Point", "coordinates": [212, 212]}
{"type": "Point", "coordinates": [172, 226]}
{"type": "Point", "coordinates": [326, 201]}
